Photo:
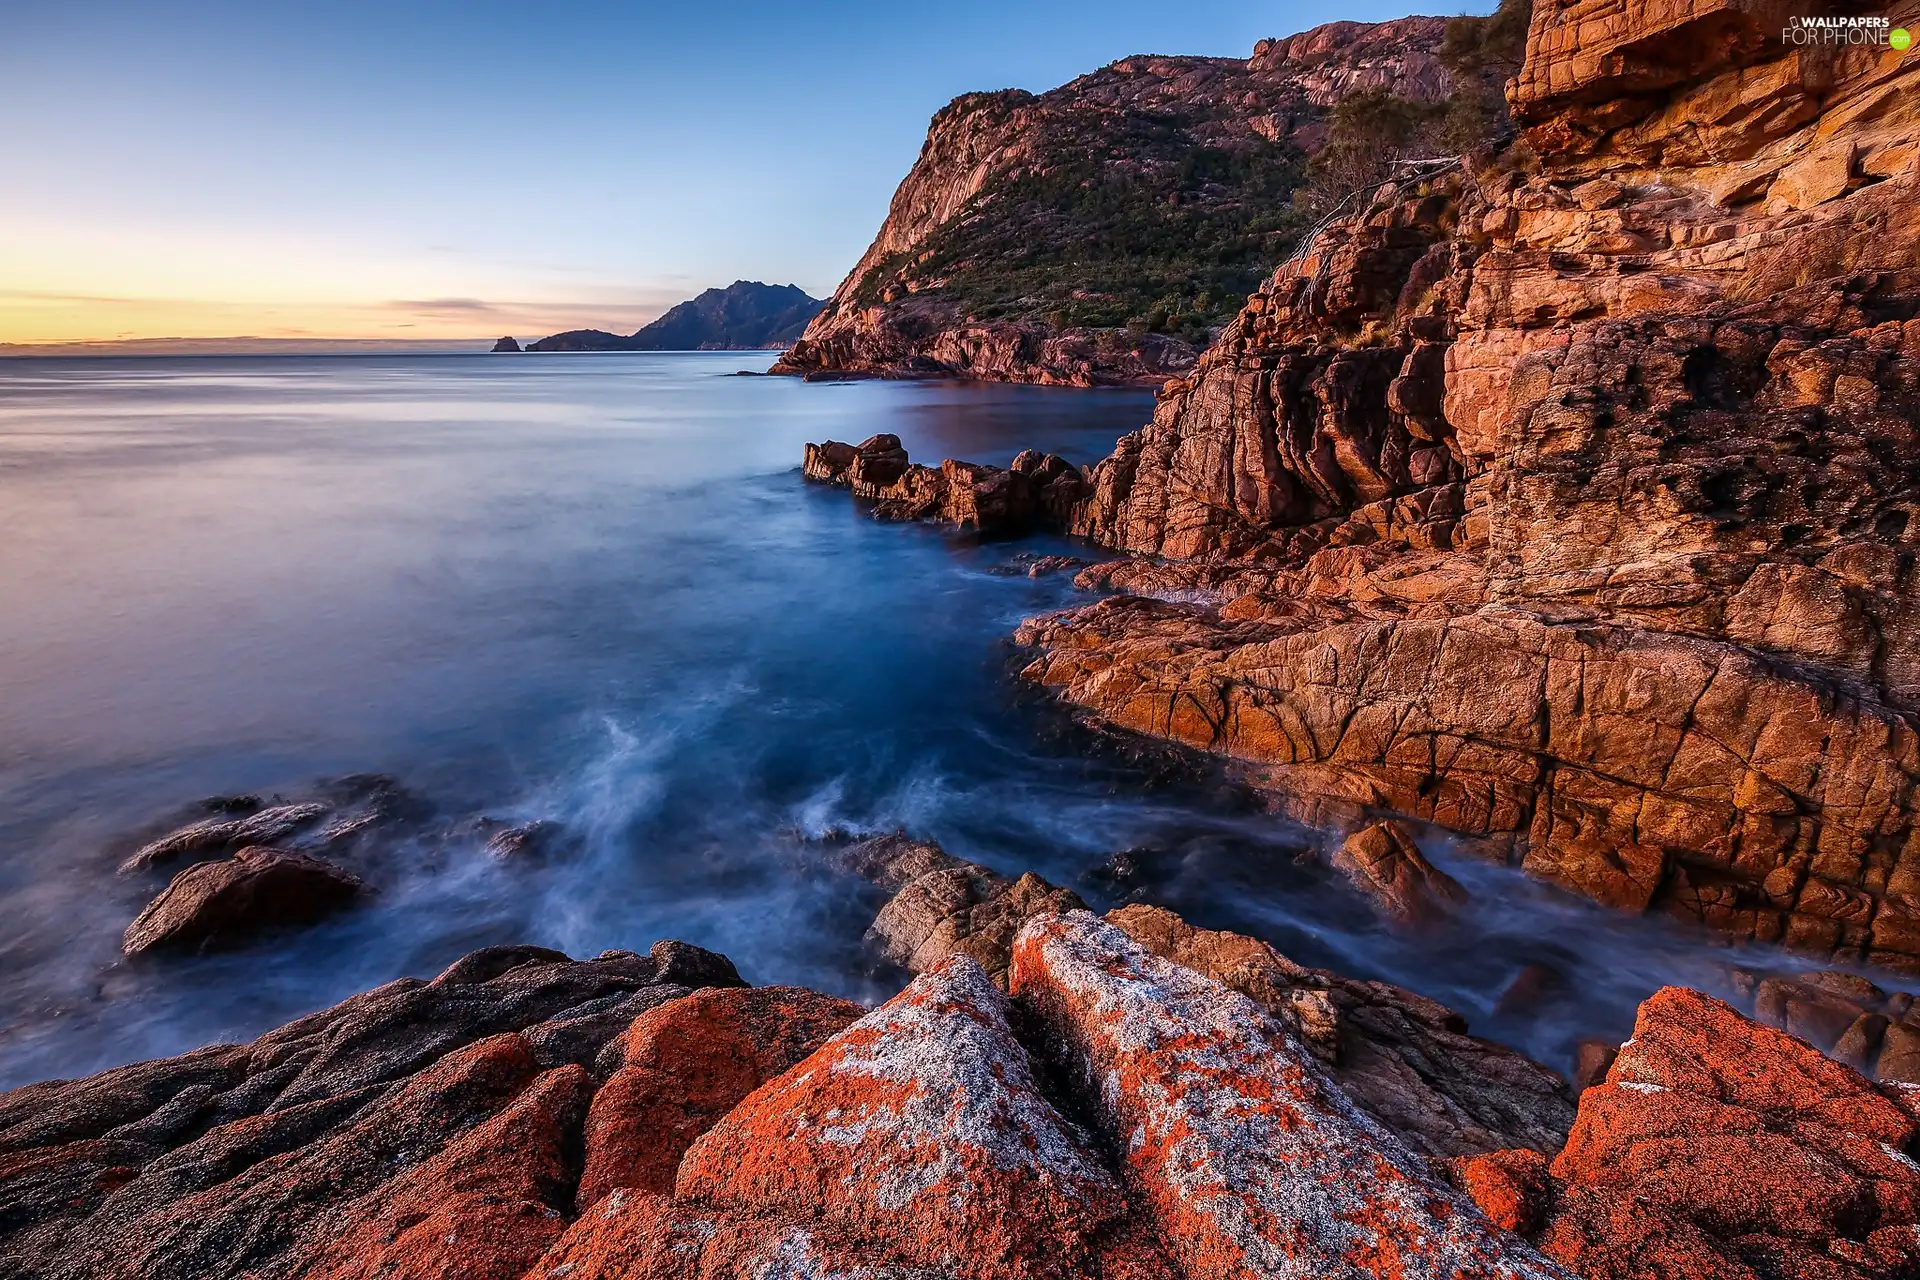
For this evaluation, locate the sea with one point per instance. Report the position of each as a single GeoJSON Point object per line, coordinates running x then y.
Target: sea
{"type": "Point", "coordinates": [595, 592]}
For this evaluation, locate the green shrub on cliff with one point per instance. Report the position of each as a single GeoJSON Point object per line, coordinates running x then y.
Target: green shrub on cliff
{"type": "Point", "coordinates": [1127, 225]}
{"type": "Point", "coordinates": [1372, 133]}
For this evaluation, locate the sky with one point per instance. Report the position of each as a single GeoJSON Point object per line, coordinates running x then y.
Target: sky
{"type": "Point", "coordinates": [416, 170]}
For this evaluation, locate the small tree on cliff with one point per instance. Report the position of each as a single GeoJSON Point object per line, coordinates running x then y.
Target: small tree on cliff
{"type": "Point", "coordinates": [1481, 55]}
{"type": "Point", "coordinates": [1368, 134]}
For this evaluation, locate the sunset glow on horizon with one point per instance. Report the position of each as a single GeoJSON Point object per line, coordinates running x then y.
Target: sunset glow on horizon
{"type": "Point", "coordinates": [211, 170]}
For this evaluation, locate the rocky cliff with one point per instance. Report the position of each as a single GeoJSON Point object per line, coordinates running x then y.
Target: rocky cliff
{"type": "Point", "coordinates": [1565, 498]}
{"type": "Point", "coordinates": [1100, 232]}
{"type": "Point", "coordinates": [1130, 1099]}
{"type": "Point", "coordinates": [744, 316]}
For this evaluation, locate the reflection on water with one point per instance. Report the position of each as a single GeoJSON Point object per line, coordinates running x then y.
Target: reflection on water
{"type": "Point", "coordinates": [593, 590]}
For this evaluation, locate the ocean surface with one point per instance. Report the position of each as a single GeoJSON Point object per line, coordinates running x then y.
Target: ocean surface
{"type": "Point", "coordinates": [595, 591]}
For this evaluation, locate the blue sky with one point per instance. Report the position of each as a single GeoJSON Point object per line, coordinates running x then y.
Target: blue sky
{"type": "Point", "coordinates": [433, 170]}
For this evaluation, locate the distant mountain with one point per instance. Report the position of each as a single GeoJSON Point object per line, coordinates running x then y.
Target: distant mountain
{"type": "Point", "coordinates": [744, 316]}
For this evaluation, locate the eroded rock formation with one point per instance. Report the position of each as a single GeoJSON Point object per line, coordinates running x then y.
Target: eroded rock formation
{"type": "Point", "coordinates": [1407, 1061]}
{"type": "Point", "coordinates": [1039, 490]}
{"type": "Point", "coordinates": [1563, 499]}
{"type": "Point", "coordinates": [1140, 1100]}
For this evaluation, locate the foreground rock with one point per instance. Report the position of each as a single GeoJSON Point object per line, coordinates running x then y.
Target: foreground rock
{"type": "Point", "coordinates": [422, 1128]}
{"type": "Point", "coordinates": [1566, 502]}
{"type": "Point", "coordinates": [1038, 491]}
{"type": "Point", "coordinates": [684, 1065]}
{"type": "Point", "coordinates": [213, 905]}
{"type": "Point", "coordinates": [1406, 1060]}
{"type": "Point", "coordinates": [1247, 1161]}
{"type": "Point", "coordinates": [919, 1138]}
{"type": "Point", "coordinates": [1718, 1147]}
{"type": "Point", "coordinates": [1145, 1101]}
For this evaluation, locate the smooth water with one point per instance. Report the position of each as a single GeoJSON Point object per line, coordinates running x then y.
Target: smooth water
{"type": "Point", "coordinates": [593, 590]}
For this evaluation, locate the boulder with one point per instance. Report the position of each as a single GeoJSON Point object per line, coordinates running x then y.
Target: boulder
{"type": "Point", "coordinates": [929, 1107]}
{"type": "Point", "coordinates": [212, 905]}
{"type": "Point", "coordinates": [1384, 863]}
{"type": "Point", "coordinates": [686, 1064]}
{"type": "Point", "coordinates": [1406, 1061]}
{"type": "Point", "coordinates": [1717, 1146]}
{"type": "Point", "coordinates": [1242, 1155]}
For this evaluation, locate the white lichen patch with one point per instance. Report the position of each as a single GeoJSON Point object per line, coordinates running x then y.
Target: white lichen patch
{"type": "Point", "coordinates": [1234, 1139]}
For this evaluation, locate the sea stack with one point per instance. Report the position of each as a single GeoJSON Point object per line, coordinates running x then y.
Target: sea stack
{"type": "Point", "coordinates": [506, 344]}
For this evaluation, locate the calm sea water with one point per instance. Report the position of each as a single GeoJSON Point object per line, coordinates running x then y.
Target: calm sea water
{"type": "Point", "coordinates": [592, 590]}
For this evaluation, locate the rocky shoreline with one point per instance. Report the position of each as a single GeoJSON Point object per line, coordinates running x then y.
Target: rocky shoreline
{"type": "Point", "coordinates": [1561, 499]}
{"type": "Point", "coordinates": [1558, 501]}
{"type": "Point", "coordinates": [1054, 1094]}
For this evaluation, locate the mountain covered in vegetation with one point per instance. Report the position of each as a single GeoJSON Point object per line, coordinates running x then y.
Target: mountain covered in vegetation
{"type": "Point", "coordinates": [1105, 231]}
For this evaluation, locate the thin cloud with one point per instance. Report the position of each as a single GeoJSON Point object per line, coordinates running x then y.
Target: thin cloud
{"type": "Point", "coordinates": [459, 306]}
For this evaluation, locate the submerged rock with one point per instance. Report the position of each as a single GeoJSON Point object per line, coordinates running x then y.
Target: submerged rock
{"type": "Point", "coordinates": [212, 836]}
{"type": "Point", "coordinates": [1384, 863]}
{"type": "Point", "coordinates": [528, 840]}
{"type": "Point", "coordinates": [214, 905]}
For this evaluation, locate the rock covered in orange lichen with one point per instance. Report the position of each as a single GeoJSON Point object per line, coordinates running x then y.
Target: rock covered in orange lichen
{"type": "Point", "coordinates": [688, 1063]}
{"type": "Point", "coordinates": [921, 1126]}
{"type": "Point", "coordinates": [1736, 1146]}
{"type": "Point", "coordinates": [915, 1138]}
{"type": "Point", "coordinates": [1511, 1187]}
{"type": "Point", "coordinates": [485, 1208]}
{"type": "Point", "coordinates": [1247, 1161]}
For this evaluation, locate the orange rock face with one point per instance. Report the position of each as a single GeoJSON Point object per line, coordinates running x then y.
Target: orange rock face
{"type": "Point", "coordinates": [687, 1064]}
{"type": "Point", "coordinates": [1119, 1116]}
{"type": "Point", "coordinates": [1408, 1062]}
{"type": "Point", "coordinates": [485, 1208]}
{"type": "Point", "coordinates": [917, 1137]}
{"type": "Point", "coordinates": [1245, 1159]}
{"type": "Point", "coordinates": [1718, 1147]}
{"type": "Point", "coordinates": [1564, 499]}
